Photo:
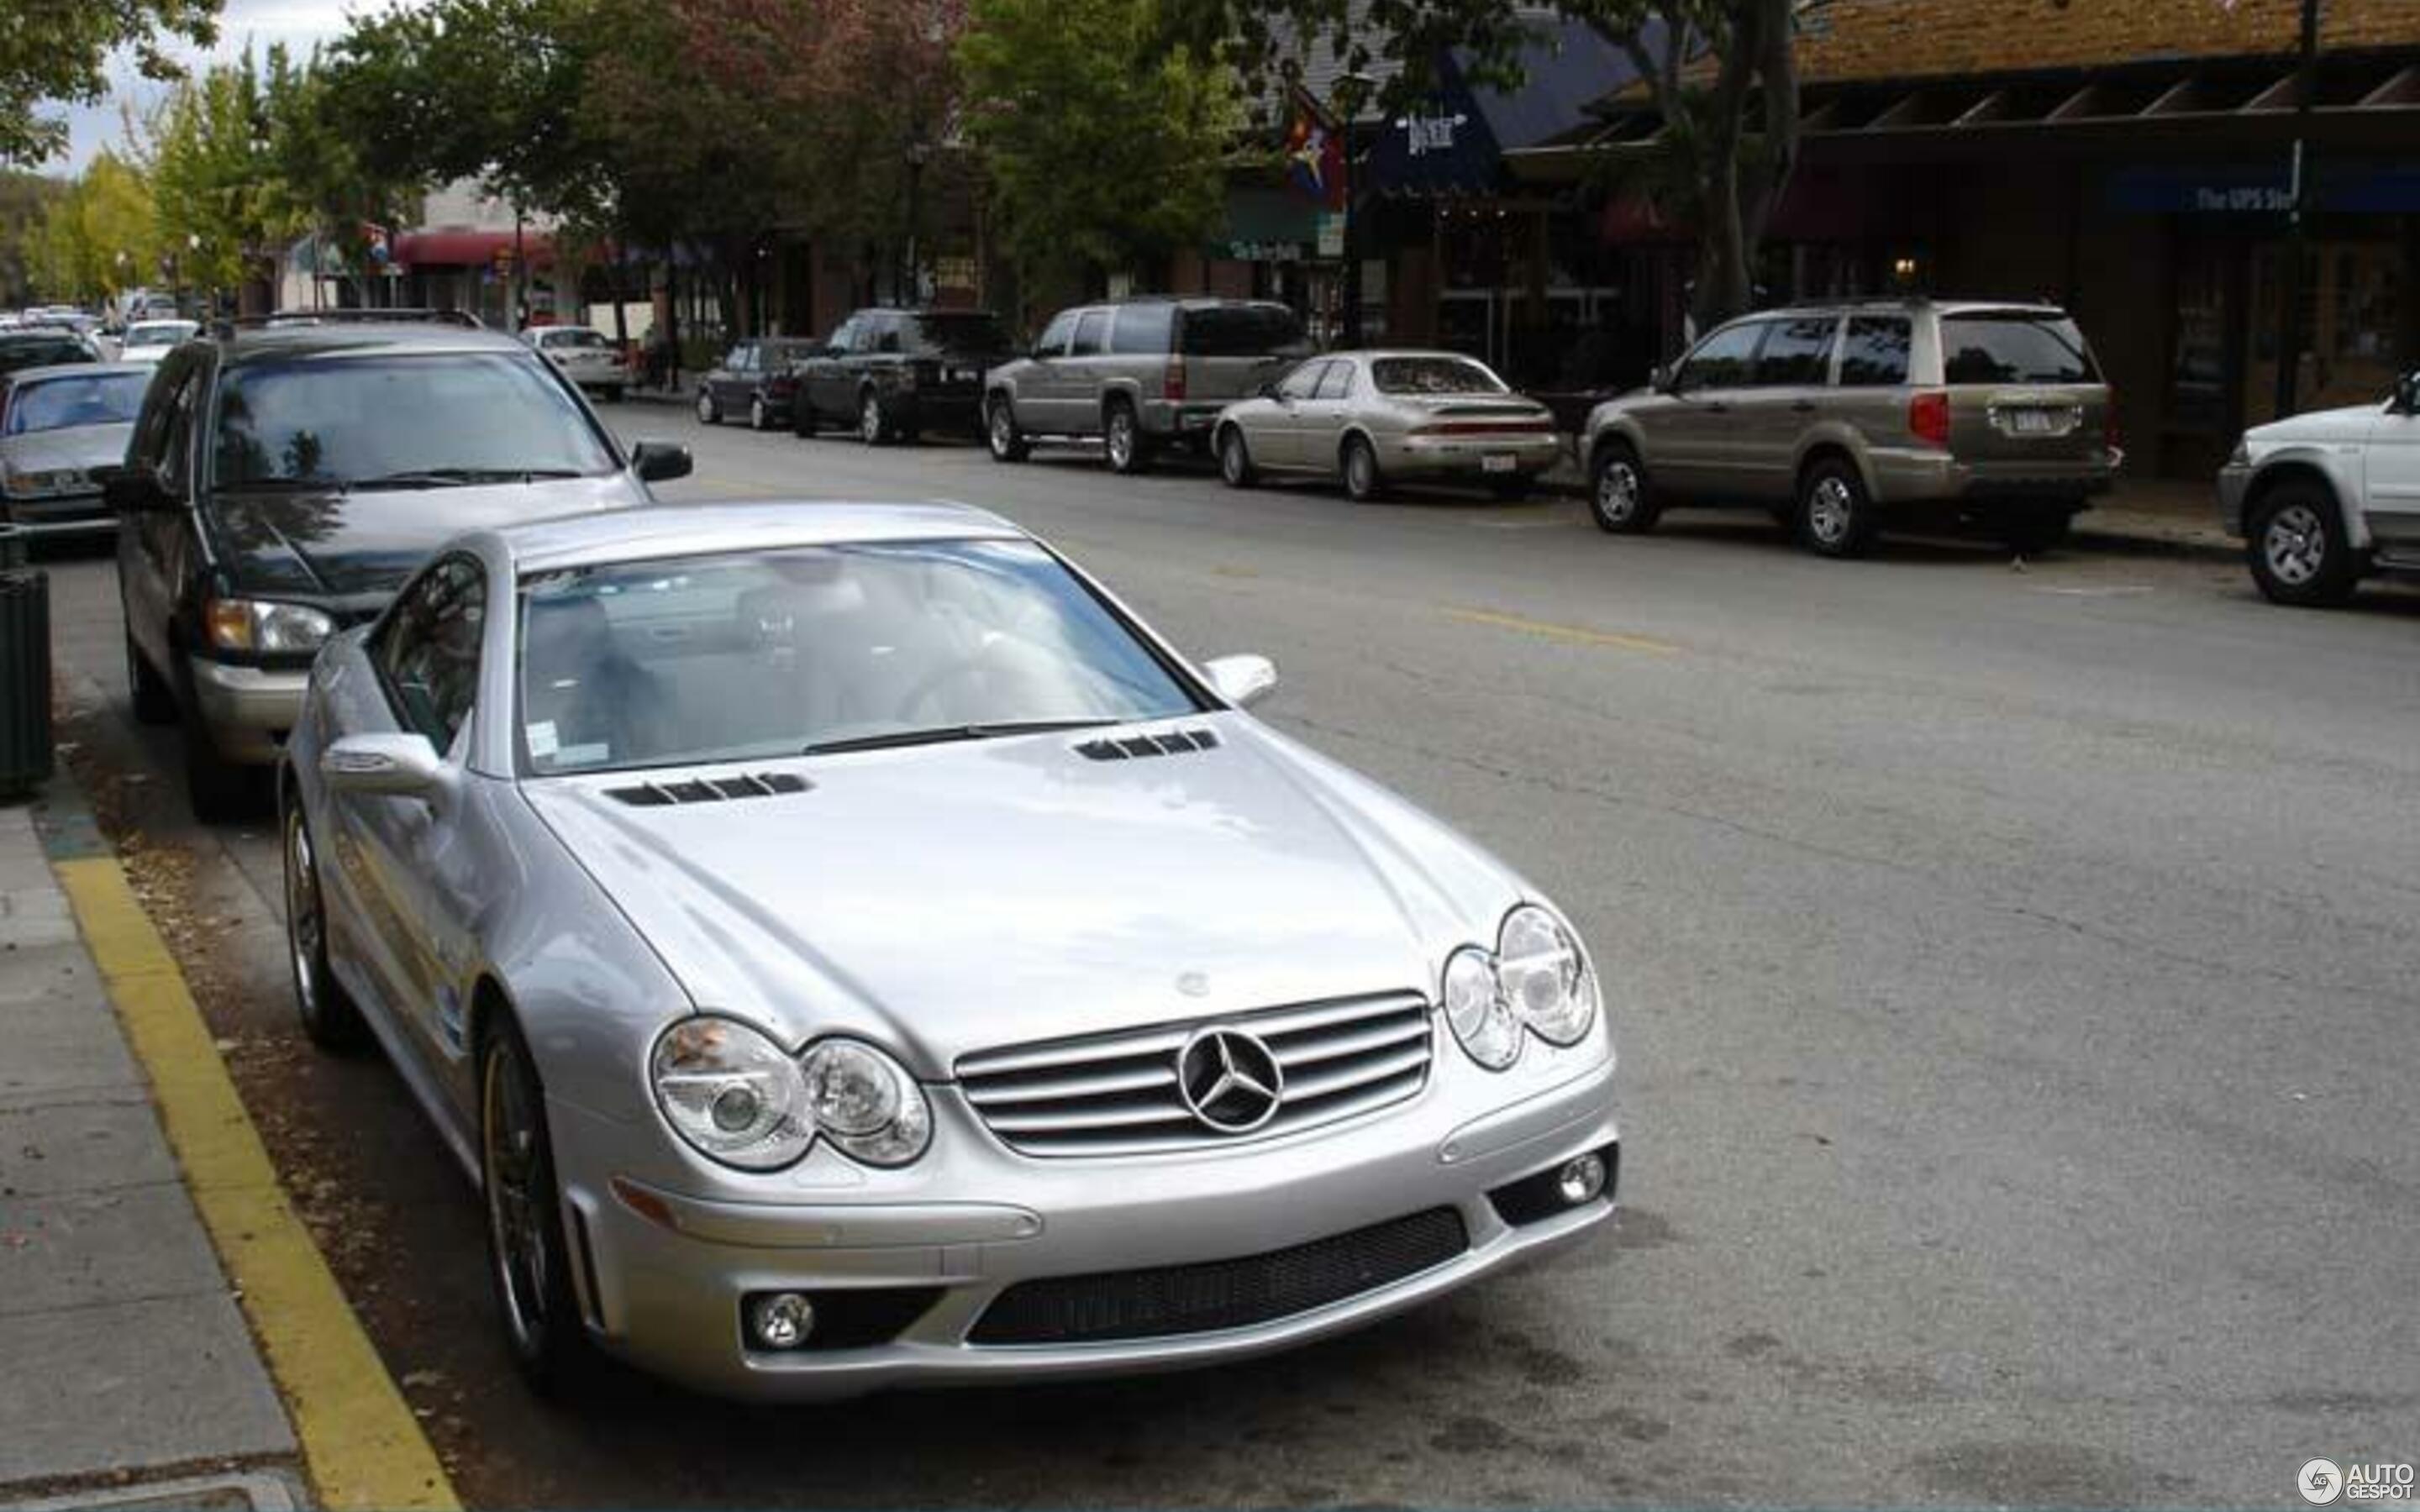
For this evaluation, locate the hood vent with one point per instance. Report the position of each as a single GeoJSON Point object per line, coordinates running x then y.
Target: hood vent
{"type": "Point", "coordinates": [710, 790]}
{"type": "Point", "coordinates": [1131, 748]}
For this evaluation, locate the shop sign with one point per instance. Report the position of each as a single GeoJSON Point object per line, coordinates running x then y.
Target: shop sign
{"type": "Point", "coordinates": [1331, 236]}
{"type": "Point", "coordinates": [1424, 135]}
{"type": "Point", "coordinates": [1263, 251]}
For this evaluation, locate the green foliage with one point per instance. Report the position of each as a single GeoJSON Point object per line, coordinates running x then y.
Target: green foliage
{"type": "Point", "coordinates": [98, 237]}
{"type": "Point", "coordinates": [26, 202]}
{"type": "Point", "coordinates": [1104, 147]}
{"type": "Point", "coordinates": [54, 50]}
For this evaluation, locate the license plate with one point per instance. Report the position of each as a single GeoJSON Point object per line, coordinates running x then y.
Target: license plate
{"type": "Point", "coordinates": [1497, 462]}
{"type": "Point", "coordinates": [2035, 421]}
{"type": "Point", "coordinates": [967, 375]}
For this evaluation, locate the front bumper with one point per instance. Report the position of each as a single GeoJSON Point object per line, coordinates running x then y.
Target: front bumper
{"type": "Point", "coordinates": [666, 1292]}
{"type": "Point", "coordinates": [1468, 457]}
{"type": "Point", "coordinates": [247, 710]}
{"type": "Point", "coordinates": [2234, 488]}
{"type": "Point", "coordinates": [52, 509]}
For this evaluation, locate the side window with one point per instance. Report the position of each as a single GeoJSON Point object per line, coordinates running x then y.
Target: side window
{"type": "Point", "coordinates": [1337, 383]}
{"type": "Point", "coordinates": [175, 456]}
{"type": "Point", "coordinates": [428, 650]}
{"type": "Point", "coordinates": [886, 334]}
{"type": "Point", "coordinates": [1874, 355]}
{"type": "Point", "coordinates": [1143, 328]}
{"type": "Point", "coordinates": [1725, 359]}
{"type": "Point", "coordinates": [1303, 382]}
{"type": "Point", "coordinates": [1091, 334]}
{"type": "Point", "coordinates": [1798, 353]}
{"type": "Point", "coordinates": [1055, 335]}
{"type": "Point", "coordinates": [844, 340]}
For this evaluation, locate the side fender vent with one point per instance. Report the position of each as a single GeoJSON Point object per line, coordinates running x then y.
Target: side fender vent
{"type": "Point", "coordinates": [1131, 748]}
{"type": "Point", "coordinates": [710, 789]}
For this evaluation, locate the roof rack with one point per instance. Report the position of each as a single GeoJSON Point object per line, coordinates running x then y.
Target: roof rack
{"type": "Point", "coordinates": [352, 318]}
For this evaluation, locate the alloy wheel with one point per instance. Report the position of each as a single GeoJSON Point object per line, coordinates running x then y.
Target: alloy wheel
{"type": "Point", "coordinates": [705, 408]}
{"type": "Point", "coordinates": [508, 1156]}
{"type": "Point", "coordinates": [1002, 430]}
{"type": "Point", "coordinates": [1618, 492]}
{"type": "Point", "coordinates": [1235, 463]}
{"type": "Point", "coordinates": [755, 414]}
{"type": "Point", "coordinates": [1121, 440]}
{"type": "Point", "coordinates": [305, 926]}
{"type": "Point", "coordinates": [1831, 510]}
{"type": "Point", "coordinates": [2295, 545]}
{"type": "Point", "coordinates": [869, 421]}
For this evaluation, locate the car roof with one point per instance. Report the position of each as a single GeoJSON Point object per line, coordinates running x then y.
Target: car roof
{"type": "Point", "coordinates": [653, 530]}
{"type": "Point", "coordinates": [59, 370]}
{"type": "Point", "coordinates": [1911, 304]}
{"type": "Point", "coordinates": [254, 343]}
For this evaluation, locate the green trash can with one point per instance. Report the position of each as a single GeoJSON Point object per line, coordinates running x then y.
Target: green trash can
{"type": "Point", "coordinates": [25, 681]}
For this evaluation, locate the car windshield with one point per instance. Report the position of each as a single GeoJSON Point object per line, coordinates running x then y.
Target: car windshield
{"type": "Point", "coordinates": [963, 331]}
{"type": "Point", "coordinates": [1241, 331]}
{"type": "Point", "coordinates": [579, 337]}
{"type": "Point", "coordinates": [86, 399]}
{"type": "Point", "coordinates": [765, 654]}
{"type": "Point", "coordinates": [425, 418]}
{"type": "Point", "coordinates": [2013, 347]}
{"type": "Point", "coordinates": [160, 333]}
{"type": "Point", "coordinates": [1434, 374]}
{"type": "Point", "coordinates": [41, 351]}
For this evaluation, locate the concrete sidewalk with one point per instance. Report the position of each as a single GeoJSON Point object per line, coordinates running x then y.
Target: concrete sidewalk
{"type": "Point", "coordinates": [127, 1371]}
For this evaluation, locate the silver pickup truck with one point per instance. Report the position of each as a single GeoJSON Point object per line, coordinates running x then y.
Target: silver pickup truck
{"type": "Point", "coordinates": [2325, 499]}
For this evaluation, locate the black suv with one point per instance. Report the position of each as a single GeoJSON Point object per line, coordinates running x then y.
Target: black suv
{"type": "Point", "coordinates": [895, 374]}
{"type": "Point", "coordinates": [283, 480]}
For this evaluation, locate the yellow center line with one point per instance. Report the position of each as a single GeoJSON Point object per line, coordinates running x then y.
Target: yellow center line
{"type": "Point", "coordinates": [1574, 634]}
{"type": "Point", "coordinates": [364, 1446]}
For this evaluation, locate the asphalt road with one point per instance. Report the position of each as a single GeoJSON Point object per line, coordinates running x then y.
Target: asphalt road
{"type": "Point", "coordinates": [2016, 975]}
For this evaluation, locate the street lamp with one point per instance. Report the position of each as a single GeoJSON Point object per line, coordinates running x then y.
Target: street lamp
{"type": "Point", "coordinates": [1352, 88]}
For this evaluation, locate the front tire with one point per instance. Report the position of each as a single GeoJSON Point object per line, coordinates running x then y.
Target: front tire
{"type": "Point", "coordinates": [1363, 483]}
{"type": "Point", "coordinates": [329, 1014]}
{"type": "Point", "coordinates": [1836, 516]}
{"type": "Point", "coordinates": [1618, 496]}
{"type": "Point", "coordinates": [528, 1261]}
{"type": "Point", "coordinates": [1001, 431]}
{"type": "Point", "coordinates": [709, 412]}
{"type": "Point", "coordinates": [1121, 439]}
{"type": "Point", "coordinates": [757, 419]}
{"type": "Point", "coordinates": [2298, 552]}
{"type": "Point", "coordinates": [871, 427]}
{"type": "Point", "coordinates": [1235, 466]}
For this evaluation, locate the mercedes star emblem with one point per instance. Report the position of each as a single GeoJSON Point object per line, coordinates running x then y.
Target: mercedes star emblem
{"type": "Point", "coordinates": [1229, 1080]}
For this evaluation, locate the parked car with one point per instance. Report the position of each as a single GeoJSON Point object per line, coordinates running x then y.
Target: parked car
{"type": "Point", "coordinates": [147, 341]}
{"type": "Point", "coordinates": [283, 480]}
{"type": "Point", "coordinates": [584, 355]}
{"type": "Point", "coordinates": [1844, 419]}
{"type": "Point", "coordinates": [2324, 499]}
{"type": "Point", "coordinates": [1375, 418]}
{"type": "Point", "coordinates": [1202, 1083]}
{"type": "Point", "coordinates": [36, 345]}
{"type": "Point", "coordinates": [58, 426]}
{"type": "Point", "coordinates": [1138, 375]}
{"type": "Point", "coordinates": [896, 374]}
{"type": "Point", "coordinates": [754, 381]}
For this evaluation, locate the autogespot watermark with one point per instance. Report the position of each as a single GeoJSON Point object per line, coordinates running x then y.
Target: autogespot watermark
{"type": "Point", "coordinates": [2325, 1482]}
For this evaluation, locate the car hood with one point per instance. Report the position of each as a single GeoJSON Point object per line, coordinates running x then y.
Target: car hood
{"type": "Point", "coordinates": [947, 899]}
{"type": "Point", "coordinates": [336, 544]}
{"type": "Point", "coordinates": [84, 447]}
{"type": "Point", "coordinates": [2352, 423]}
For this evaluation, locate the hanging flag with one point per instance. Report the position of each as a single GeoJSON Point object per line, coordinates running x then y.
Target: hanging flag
{"type": "Point", "coordinates": [1314, 156]}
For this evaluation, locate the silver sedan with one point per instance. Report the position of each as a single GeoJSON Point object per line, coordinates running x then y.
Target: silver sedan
{"type": "Point", "coordinates": [1374, 418]}
{"type": "Point", "coordinates": [848, 949]}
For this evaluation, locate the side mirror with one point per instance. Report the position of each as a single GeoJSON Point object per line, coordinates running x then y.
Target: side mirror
{"type": "Point", "coordinates": [1241, 681]}
{"type": "Point", "coordinates": [1269, 390]}
{"type": "Point", "coordinates": [2407, 394]}
{"type": "Point", "coordinates": [1660, 379]}
{"type": "Point", "coordinates": [397, 765]}
{"type": "Point", "coordinates": [660, 461]}
{"type": "Point", "coordinates": [133, 490]}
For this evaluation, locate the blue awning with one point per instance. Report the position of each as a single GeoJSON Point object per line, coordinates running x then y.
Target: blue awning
{"type": "Point", "coordinates": [1453, 142]}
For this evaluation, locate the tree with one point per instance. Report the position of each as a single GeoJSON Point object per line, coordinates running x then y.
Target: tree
{"type": "Point", "coordinates": [25, 201]}
{"type": "Point", "coordinates": [1712, 67]}
{"type": "Point", "coordinates": [54, 50]}
{"type": "Point", "coordinates": [233, 180]}
{"type": "Point", "coordinates": [99, 238]}
{"type": "Point", "coordinates": [1105, 145]}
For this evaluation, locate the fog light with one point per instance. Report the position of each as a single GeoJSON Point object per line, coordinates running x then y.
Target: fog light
{"type": "Point", "coordinates": [781, 1321]}
{"type": "Point", "coordinates": [1582, 1179]}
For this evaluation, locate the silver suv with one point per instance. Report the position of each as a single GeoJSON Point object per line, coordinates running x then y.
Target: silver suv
{"type": "Point", "coordinates": [1844, 418]}
{"type": "Point", "coordinates": [1138, 375]}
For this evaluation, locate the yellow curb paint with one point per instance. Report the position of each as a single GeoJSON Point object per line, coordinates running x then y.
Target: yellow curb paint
{"type": "Point", "coordinates": [364, 1446]}
{"type": "Point", "coordinates": [1577, 635]}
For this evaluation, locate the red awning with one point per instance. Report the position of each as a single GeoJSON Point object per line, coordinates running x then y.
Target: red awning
{"type": "Point", "coordinates": [469, 249]}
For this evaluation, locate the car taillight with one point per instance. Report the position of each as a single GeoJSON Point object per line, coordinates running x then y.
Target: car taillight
{"type": "Point", "coordinates": [1171, 381]}
{"type": "Point", "coordinates": [1927, 417]}
{"type": "Point", "coordinates": [782, 385]}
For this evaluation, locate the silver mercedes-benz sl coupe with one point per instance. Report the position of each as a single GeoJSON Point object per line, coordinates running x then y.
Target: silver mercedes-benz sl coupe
{"type": "Point", "coordinates": [848, 951]}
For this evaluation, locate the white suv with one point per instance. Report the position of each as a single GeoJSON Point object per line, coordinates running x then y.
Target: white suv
{"type": "Point", "coordinates": [2322, 500]}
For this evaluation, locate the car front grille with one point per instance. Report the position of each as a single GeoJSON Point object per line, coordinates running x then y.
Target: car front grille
{"type": "Point", "coordinates": [1199, 1299]}
{"type": "Point", "coordinates": [1117, 1094]}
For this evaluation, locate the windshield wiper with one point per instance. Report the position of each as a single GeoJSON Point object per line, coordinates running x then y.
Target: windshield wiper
{"type": "Point", "coordinates": [284, 486]}
{"type": "Point", "coordinates": [943, 734]}
{"type": "Point", "coordinates": [460, 477]}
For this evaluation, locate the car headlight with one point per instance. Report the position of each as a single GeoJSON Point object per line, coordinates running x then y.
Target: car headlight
{"type": "Point", "coordinates": [732, 1093]}
{"type": "Point", "coordinates": [735, 1095]}
{"type": "Point", "coordinates": [865, 1102]}
{"type": "Point", "coordinates": [1538, 981]}
{"type": "Point", "coordinates": [42, 484]}
{"type": "Point", "coordinates": [265, 626]}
